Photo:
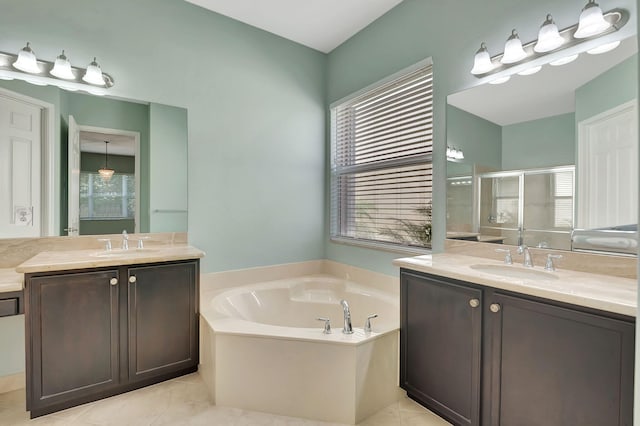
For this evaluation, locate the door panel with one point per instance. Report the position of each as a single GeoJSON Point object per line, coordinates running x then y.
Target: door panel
{"type": "Point", "coordinates": [74, 329]}
{"type": "Point", "coordinates": [608, 169]}
{"type": "Point", "coordinates": [20, 158]}
{"type": "Point", "coordinates": [555, 366]}
{"type": "Point", "coordinates": [163, 327]}
{"type": "Point", "coordinates": [441, 344]}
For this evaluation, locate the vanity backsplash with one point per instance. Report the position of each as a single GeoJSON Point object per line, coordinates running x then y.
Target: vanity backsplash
{"type": "Point", "coordinates": [618, 266]}
{"type": "Point", "coordinates": [14, 251]}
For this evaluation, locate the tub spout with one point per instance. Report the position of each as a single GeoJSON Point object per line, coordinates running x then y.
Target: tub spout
{"type": "Point", "coordinates": [347, 329]}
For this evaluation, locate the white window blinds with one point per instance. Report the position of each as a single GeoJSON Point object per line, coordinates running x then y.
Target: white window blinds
{"type": "Point", "coordinates": [381, 163]}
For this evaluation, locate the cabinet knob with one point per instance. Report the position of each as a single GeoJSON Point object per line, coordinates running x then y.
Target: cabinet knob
{"type": "Point", "coordinates": [474, 303]}
{"type": "Point", "coordinates": [113, 281]}
{"type": "Point", "coordinates": [132, 279]}
{"type": "Point", "coordinates": [494, 308]}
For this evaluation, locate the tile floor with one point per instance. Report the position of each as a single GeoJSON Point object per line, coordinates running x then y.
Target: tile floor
{"type": "Point", "coordinates": [184, 401]}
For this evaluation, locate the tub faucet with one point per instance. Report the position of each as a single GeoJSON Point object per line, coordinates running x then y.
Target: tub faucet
{"type": "Point", "coordinates": [528, 262]}
{"type": "Point", "coordinates": [348, 329]}
{"type": "Point", "coordinates": [125, 240]}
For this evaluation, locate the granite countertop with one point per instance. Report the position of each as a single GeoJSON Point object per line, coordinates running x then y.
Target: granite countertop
{"type": "Point", "coordinates": [10, 280]}
{"type": "Point", "coordinates": [80, 259]}
{"type": "Point", "coordinates": [603, 292]}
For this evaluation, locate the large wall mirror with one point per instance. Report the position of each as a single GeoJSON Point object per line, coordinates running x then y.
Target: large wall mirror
{"type": "Point", "coordinates": [55, 147]}
{"type": "Point", "coordinates": [550, 159]}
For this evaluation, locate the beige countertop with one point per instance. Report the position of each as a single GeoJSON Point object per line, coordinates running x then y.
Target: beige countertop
{"type": "Point", "coordinates": [80, 259]}
{"type": "Point", "coordinates": [10, 280]}
{"type": "Point", "coordinates": [607, 293]}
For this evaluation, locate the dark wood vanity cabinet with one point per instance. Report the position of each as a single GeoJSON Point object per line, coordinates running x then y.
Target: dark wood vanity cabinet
{"type": "Point", "coordinates": [163, 330]}
{"type": "Point", "coordinates": [539, 362]}
{"type": "Point", "coordinates": [96, 333]}
{"type": "Point", "coordinates": [440, 341]}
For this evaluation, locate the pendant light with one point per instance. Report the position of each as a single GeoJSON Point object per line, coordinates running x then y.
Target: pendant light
{"type": "Point", "coordinates": [62, 68]}
{"type": "Point", "coordinates": [482, 61]}
{"type": "Point", "coordinates": [549, 37]}
{"type": "Point", "coordinates": [513, 51]}
{"type": "Point", "coordinates": [94, 74]}
{"type": "Point", "coordinates": [591, 21]}
{"type": "Point", "coordinates": [27, 61]}
{"type": "Point", "coordinates": [105, 172]}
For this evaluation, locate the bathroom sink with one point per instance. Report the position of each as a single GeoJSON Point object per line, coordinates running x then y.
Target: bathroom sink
{"type": "Point", "coordinates": [514, 272]}
{"type": "Point", "coordinates": [124, 253]}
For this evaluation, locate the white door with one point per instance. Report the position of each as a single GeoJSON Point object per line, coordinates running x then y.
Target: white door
{"type": "Point", "coordinates": [73, 211]}
{"type": "Point", "coordinates": [20, 177]}
{"type": "Point", "coordinates": [607, 168]}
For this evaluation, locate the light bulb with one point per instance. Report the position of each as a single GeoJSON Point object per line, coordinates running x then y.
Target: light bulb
{"type": "Point", "coordinates": [513, 51]}
{"type": "Point", "coordinates": [500, 80]}
{"type": "Point", "coordinates": [607, 47]}
{"type": "Point", "coordinates": [27, 61]}
{"type": "Point", "coordinates": [62, 68]}
{"type": "Point", "coordinates": [531, 70]}
{"type": "Point", "coordinates": [548, 37]}
{"type": "Point", "coordinates": [591, 21]}
{"type": "Point", "coordinates": [482, 61]}
{"type": "Point", "coordinates": [563, 61]}
{"type": "Point", "coordinates": [94, 74]}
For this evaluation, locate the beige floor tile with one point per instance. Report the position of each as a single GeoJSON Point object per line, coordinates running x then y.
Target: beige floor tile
{"type": "Point", "coordinates": [184, 401]}
{"type": "Point", "coordinates": [409, 418]}
{"type": "Point", "coordinates": [389, 416]}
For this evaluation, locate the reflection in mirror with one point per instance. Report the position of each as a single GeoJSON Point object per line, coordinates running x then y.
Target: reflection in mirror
{"type": "Point", "coordinates": [107, 205]}
{"type": "Point", "coordinates": [547, 155]}
{"type": "Point", "coordinates": [50, 132]}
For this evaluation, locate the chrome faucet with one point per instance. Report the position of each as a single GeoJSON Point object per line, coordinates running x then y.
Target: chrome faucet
{"type": "Point", "coordinates": [347, 329]}
{"type": "Point", "coordinates": [125, 240]}
{"type": "Point", "coordinates": [528, 262]}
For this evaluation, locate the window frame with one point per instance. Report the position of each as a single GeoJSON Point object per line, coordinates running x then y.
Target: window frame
{"type": "Point", "coordinates": [335, 209]}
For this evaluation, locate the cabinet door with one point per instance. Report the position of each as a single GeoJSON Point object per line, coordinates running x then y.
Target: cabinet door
{"type": "Point", "coordinates": [72, 343]}
{"type": "Point", "coordinates": [440, 338]}
{"type": "Point", "coordinates": [555, 366]}
{"type": "Point", "coordinates": [163, 322]}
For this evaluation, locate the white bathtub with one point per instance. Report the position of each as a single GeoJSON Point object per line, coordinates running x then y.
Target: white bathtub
{"type": "Point", "coordinates": [264, 349]}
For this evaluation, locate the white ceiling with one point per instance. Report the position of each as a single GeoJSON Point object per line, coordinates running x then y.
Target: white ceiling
{"type": "Point", "coordinates": [320, 24]}
{"type": "Point", "coordinates": [549, 92]}
{"type": "Point", "coordinates": [118, 144]}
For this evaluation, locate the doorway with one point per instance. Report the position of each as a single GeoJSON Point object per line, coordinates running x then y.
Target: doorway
{"type": "Point", "coordinates": [97, 204]}
{"type": "Point", "coordinates": [27, 184]}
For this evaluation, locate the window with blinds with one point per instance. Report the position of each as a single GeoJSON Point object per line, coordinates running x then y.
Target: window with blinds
{"type": "Point", "coordinates": [381, 169]}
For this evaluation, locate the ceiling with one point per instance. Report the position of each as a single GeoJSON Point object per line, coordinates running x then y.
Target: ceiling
{"type": "Point", "coordinates": [548, 93]}
{"type": "Point", "coordinates": [118, 144]}
{"type": "Point", "coordinates": [319, 24]}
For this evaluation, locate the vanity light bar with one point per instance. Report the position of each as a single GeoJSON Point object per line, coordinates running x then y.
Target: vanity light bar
{"type": "Point", "coordinates": [73, 82]}
{"type": "Point", "coordinates": [616, 17]}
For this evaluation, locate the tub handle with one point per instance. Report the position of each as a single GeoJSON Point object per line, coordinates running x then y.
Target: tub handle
{"type": "Point", "coordinates": [327, 325]}
{"type": "Point", "coordinates": [367, 323]}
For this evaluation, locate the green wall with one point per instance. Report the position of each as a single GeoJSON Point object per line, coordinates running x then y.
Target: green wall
{"type": "Point", "coordinates": [479, 139]}
{"type": "Point", "coordinates": [544, 142]}
{"type": "Point", "coordinates": [450, 32]}
{"type": "Point", "coordinates": [606, 91]}
{"type": "Point", "coordinates": [91, 162]}
{"type": "Point", "coordinates": [256, 111]}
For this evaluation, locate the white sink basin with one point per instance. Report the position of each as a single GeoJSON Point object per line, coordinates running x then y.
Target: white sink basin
{"type": "Point", "coordinates": [124, 253]}
{"type": "Point", "coordinates": [509, 271]}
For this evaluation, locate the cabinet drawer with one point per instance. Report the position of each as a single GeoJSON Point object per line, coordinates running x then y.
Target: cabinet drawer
{"type": "Point", "coordinates": [8, 307]}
